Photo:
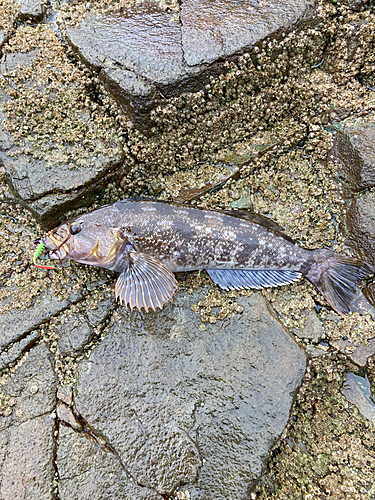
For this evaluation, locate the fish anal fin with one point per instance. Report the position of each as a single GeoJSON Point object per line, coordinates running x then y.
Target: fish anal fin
{"type": "Point", "coordinates": [145, 282]}
{"type": "Point", "coordinates": [238, 279]}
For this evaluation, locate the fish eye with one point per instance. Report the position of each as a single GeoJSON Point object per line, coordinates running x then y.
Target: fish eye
{"type": "Point", "coordinates": [75, 228]}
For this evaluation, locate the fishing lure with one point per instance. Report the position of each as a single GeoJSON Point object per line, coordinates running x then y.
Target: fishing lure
{"type": "Point", "coordinates": [36, 255]}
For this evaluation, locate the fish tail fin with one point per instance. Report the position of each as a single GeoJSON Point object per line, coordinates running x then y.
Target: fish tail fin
{"type": "Point", "coordinates": [337, 277]}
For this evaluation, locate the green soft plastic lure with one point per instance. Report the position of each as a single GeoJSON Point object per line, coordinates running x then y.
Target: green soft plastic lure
{"type": "Point", "coordinates": [36, 255]}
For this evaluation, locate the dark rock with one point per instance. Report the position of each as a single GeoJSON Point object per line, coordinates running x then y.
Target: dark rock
{"type": "Point", "coordinates": [27, 427]}
{"type": "Point", "coordinates": [144, 57]}
{"type": "Point", "coordinates": [87, 470]}
{"type": "Point", "coordinates": [354, 152]}
{"type": "Point", "coordinates": [360, 226]}
{"type": "Point", "coordinates": [138, 54]}
{"type": "Point", "coordinates": [185, 406]}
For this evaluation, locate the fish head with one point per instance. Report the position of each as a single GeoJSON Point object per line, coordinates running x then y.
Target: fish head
{"type": "Point", "coordinates": [85, 241]}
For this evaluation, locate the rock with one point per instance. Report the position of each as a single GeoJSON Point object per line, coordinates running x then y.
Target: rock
{"type": "Point", "coordinates": [27, 470]}
{"type": "Point", "coordinates": [65, 163]}
{"type": "Point", "coordinates": [313, 328]}
{"type": "Point", "coordinates": [354, 152]}
{"type": "Point", "coordinates": [360, 354]}
{"type": "Point", "coordinates": [75, 330]}
{"type": "Point", "coordinates": [15, 324]}
{"type": "Point", "coordinates": [216, 30]}
{"type": "Point", "coordinates": [144, 56]}
{"type": "Point", "coordinates": [360, 226]}
{"type": "Point", "coordinates": [33, 10]}
{"type": "Point", "coordinates": [369, 292]}
{"type": "Point", "coordinates": [185, 406]}
{"type": "Point", "coordinates": [65, 414]}
{"type": "Point", "coordinates": [14, 352]}
{"type": "Point", "coordinates": [27, 427]}
{"type": "Point", "coordinates": [65, 394]}
{"type": "Point", "coordinates": [87, 470]}
{"type": "Point", "coordinates": [358, 392]}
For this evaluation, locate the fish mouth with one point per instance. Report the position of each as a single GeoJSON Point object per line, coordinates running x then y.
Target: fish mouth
{"type": "Point", "coordinates": [59, 253]}
{"type": "Point", "coordinates": [58, 250]}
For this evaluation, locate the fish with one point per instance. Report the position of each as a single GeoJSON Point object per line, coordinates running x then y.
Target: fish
{"type": "Point", "coordinates": [147, 241]}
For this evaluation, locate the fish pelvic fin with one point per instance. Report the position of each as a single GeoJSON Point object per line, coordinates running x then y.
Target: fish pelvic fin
{"type": "Point", "coordinates": [145, 283]}
{"type": "Point", "coordinates": [338, 277]}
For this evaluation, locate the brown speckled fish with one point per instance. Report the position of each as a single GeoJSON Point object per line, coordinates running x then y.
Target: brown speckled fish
{"type": "Point", "coordinates": [147, 241]}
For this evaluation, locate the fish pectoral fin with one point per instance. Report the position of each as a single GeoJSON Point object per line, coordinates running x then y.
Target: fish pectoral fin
{"type": "Point", "coordinates": [237, 279]}
{"type": "Point", "coordinates": [146, 283]}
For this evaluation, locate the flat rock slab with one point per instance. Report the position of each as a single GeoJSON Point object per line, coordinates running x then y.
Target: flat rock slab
{"type": "Point", "coordinates": [182, 406]}
{"type": "Point", "coordinates": [27, 428]}
{"type": "Point", "coordinates": [88, 471]}
{"type": "Point", "coordinates": [144, 55]}
{"type": "Point", "coordinates": [354, 152]}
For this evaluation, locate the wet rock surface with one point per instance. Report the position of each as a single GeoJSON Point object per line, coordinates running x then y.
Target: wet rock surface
{"type": "Point", "coordinates": [46, 176]}
{"type": "Point", "coordinates": [360, 222]}
{"type": "Point", "coordinates": [125, 392]}
{"type": "Point", "coordinates": [16, 325]}
{"type": "Point", "coordinates": [357, 390]}
{"type": "Point", "coordinates": [183, 406]}
{"type": "Point", "coordinates": [88, 470]}
{"type": "Point", "coordinates": [354, 151]}
{"type": "Point", "coordinates": [143, 54]}
{"type": "Point", "coordinates": [27, 428]}
{"type": "Point", "coordinates": [212, 31]}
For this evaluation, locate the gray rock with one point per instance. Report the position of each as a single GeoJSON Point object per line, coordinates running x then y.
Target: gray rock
{"type": "Point", "coordinates": [361, 354]}
{"type": "Point", "coordinates": [75, 330]}
{"type": "Point", "coordinates": [26, 429]}
{"type": "Point", "coordinates": [313, 328]}
{"type": "Point", "coordinates": [14, 352]}
{"type": "Point", "coordinates": [215, 30]}
{"type": "Point", "coordinates": [360, 226]}
{"type": "Point", "coordinates": [354, 152]}
{"type": "Point", "coordinates": [185, 406]}
{"type": "Point", "coordinates": [32, 388]}
{"type": "Point", "coordinates": [87, 470]}
{"type": "Point", "coordinates": [65, 414]}
{"type": "Point", "coordinates": [50, 190]}
{"type": "Point", "coordinates": [17, 323]}
{"type": "Point", "coordinates": [143, 56]}
{"type": "Point", "coordinates": [27, 470]}
{"type": "Point", "coordinates": [358, 392]}
{"type": "Point", "coordinates": [33, 9]}
{"type": "Point", "coordinates": [137, 53]}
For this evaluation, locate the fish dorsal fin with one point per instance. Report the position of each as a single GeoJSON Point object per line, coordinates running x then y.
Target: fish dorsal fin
{"type": "Point", "coordinates": [237, 279]}
{"type": "Point", "coordinates": [262, 220]}
{"type": "Point", "coordinates": [146, 283]}
{"type": "Point", "coordinates": [248, 215]}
